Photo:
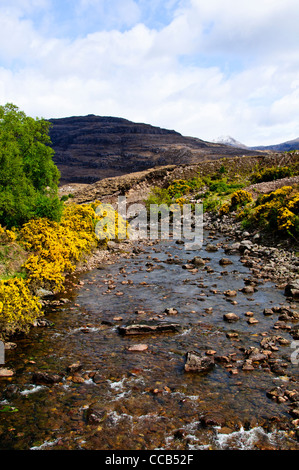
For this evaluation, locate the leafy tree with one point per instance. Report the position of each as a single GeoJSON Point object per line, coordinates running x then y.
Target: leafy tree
{"type": "Point", "coordinates": [28, 176]}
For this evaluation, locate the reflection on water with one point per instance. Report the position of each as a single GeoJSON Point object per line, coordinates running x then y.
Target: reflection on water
{"type": "Point", "coordinates": [145, 399]}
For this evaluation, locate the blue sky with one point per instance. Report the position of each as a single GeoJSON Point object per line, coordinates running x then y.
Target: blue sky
{"type": "Point", "coordinates": [203, 68]}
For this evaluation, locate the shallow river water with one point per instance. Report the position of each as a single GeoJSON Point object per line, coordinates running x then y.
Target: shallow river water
{"type": "Point", "coordinates": [145, 399]}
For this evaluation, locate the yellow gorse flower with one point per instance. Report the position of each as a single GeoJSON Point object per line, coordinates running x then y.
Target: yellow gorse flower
{"type": "Point", "coordinates": [18, 306]}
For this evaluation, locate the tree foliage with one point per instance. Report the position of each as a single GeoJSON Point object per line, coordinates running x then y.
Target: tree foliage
{"type": "Point", "coordinates": [28, 176]}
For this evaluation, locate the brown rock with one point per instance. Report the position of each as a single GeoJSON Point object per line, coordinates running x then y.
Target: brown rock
{"type": "Point", "coordinates": [138, 347]}
{"type": "Point", "coordinates": [231, 317]}
{"type": "Point", "coordinates": [198, 362]}
{"type": "Point", "coordinates": [45, 378]}
{"type": "Point", "coordinates": [225, 261]}
{"type": "Point", "coordinates": [6, 372]}
{"type": "Point", "coordinates": [230, 293]}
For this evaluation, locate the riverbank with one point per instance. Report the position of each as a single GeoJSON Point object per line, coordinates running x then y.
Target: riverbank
{"type": "Point", "coordinates": [93, 387]}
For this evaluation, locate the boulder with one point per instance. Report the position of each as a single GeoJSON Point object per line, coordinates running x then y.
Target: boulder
{"type": "Point", "coordinates": [292, 289]}
{"type": "Point", "coordinates": [245, 245]}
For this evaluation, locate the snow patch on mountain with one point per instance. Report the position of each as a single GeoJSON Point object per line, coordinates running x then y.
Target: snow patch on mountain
{"type": "Point", "coordinates": [228, 140]}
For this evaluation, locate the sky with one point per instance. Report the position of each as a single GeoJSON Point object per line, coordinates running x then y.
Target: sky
{"type": "Point", "coordinates": [204, 68]}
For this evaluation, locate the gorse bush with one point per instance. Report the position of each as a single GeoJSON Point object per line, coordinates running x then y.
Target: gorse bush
{"type": "Point", "coordinates": [57, 247]}
{"type": "Point", "coordinates": [240, 198]}
{"type": "Point", "coordinates": [18, 306]}
{"type": "Point", "coordinates": [53, 250]}
{"type": "Point", "coordinates": [271, 174]}
{"type": "Point", "coordinates": [175, 191]}
{"type": "Point", "coordinates": [179, 188]}
{"type": "Point", "coordinates": [277, 211]}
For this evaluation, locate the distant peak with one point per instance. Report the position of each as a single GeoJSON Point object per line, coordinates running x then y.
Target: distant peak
{"type": "Point", "coordinates": [228, 140]}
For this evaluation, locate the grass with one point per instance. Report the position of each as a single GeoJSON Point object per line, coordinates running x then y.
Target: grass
{"type": "Point", "coordinates": [12, 257]}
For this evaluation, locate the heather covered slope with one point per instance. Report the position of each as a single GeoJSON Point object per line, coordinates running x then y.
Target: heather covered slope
{"type": "Point", "coordinates": [90, 148]}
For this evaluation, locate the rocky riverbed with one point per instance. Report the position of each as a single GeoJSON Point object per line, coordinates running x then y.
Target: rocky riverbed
{"type": "Point", "coordinates": [156, 346]}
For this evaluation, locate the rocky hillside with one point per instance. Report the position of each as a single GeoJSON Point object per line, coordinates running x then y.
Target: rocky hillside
{"type": "Point", "coordinates": [90, 148]}
{"type": "Point", "coordinates": [137, 185]}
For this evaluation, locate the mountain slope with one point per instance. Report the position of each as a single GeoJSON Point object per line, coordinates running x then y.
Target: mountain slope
{"type": "Point", "coordinates": [283, 147]}
{"type": "Point", "coordinates": [90, 148]}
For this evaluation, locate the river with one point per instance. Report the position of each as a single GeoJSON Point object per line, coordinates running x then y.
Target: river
{"type": "Point", "coordinates": [144, 399]}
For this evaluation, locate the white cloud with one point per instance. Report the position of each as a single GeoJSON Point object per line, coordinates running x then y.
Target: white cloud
{"type": "Point", "coordinates": [218, 67]}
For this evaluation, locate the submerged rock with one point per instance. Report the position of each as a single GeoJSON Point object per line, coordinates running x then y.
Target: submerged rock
{"type": "Point", "coordinates": [45, 378]}
{"type": "Point", "coordinates": [198, 362]}
{"type": "Point", "coordinates": [212, 418]}
{"type": "Point", "coordinates": [95, 414]}
{"type": "Point", "coordinates": [149, 328]}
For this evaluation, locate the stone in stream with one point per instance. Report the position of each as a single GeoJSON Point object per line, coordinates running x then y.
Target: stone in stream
{"type": "Point", "coordinates": [171, 311]}
{"type": "Point", "coordinates": [95, 414]}
{"type": "Point", "coordinates": [45, 378]}
{"type": "Point", "coordinates": [149, 328]}
{"type": "Point", "coordinates": [6, 372]}
{"type": "Point", "coordinates": [230, 293]}
{"type": "Point", "coordinates": [212, 418]}
{"type": "Point", "coordinates": [268, 311]}
{"type": "Point", "coordinates": [231, 317]}
{"type": "Point", "coordinates": [248, 290]}
{"type": "Point", "coordinates": [210, 247]}
{"type": "Point", "coordinates": [138, 347]}
{"type": "Point", "coordinates": [294, 332]}
{"type": "Point", "coordinates": [225, 261]}
{"type": "Point", "coordinates": [74, 367]}
{"type": "Point", "coordinates": [292, 289]}
{"type": "Point", "coordinates": [197, 261]}
{"type": "Point", "coordinates": [198, 362]}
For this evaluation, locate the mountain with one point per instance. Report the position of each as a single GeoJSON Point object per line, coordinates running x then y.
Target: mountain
{"type": "Point", "coordinates": [228, 140]}
{"type": "Point", "coordinates": [90, 148]}
{"type": "Point", "coordinates": [284, 147]}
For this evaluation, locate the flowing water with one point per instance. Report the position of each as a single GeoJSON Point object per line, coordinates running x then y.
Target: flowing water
{"type": "Point", "coordinates": [145, 399]}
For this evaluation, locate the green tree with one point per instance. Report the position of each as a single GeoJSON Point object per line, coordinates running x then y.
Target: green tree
{"type": "Point", "coordinates": [28, 175]}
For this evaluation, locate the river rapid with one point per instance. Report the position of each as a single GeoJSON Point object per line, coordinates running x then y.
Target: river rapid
{"type": "Point", "coordinates": [112, 391]}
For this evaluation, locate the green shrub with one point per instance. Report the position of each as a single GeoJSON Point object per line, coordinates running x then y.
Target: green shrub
{"type": "Point", "coordinates": [271, 174]}
{"type": "Point", "coordinates": [28, 176]}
